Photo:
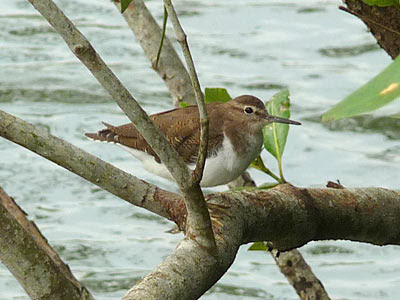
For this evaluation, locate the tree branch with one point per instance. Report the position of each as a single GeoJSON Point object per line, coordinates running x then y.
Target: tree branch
{"type": "Point", "coordinates": [383, 22]}
{"type": "Point", "coordinates": [91, 168]}
{"type": "Point", "coordinates": [32, 261]}
{"type": "Point", "coordinates": [170, 67]}
{"type": "Point", "coordinates": [148, 34]}
{"type": "Point", "coordinates": [182, 40]}
{"type": "Point", "coordinates": [286, 216]}
{"type": "Point", "coordinates": [83, 50]}
{"type": "Point", "coordinates": [300, 275]}
{"type": "Point", "coordinates": [290, 217]}
{"type": "Point", "coordinates": [291, 263]}
{"type": "Point", "coordinates": [198, 221]}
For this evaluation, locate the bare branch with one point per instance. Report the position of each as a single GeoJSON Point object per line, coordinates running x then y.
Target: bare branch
{"type": "Point", "coordinates": [148, 34]}
{"type": "Point", "coordinates": [170, 67]}
{"type": "Point", "coordinates": [300, 275]}
{"type": "Point", "coordinates": [32, 261]}
{"type": "Point", "coordinates": [199, 224]}
{"type": "Point", "coordinates": [291, 263]}
{"type": "Point", "coordinates": [186, 274]}
{"type": "Point", "coordinates": [182, 39]}
{"type": "Point", "coordinates": [286, 216]}
{"type": "Point", "coordinates": [290, 217]}
{"type": "Point", "coordinates": [81, 47]}
{"type": "Point", "coordinates": [89, 167]}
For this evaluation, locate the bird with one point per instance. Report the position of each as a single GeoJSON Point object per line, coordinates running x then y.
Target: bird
{"type": "Point", "coordinates": [235, 137]}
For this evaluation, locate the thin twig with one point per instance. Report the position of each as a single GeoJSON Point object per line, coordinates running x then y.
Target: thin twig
{"type": "Point", "coordinates": [165, 19]}
{"type": "Point", "coordinates": [182, 39]}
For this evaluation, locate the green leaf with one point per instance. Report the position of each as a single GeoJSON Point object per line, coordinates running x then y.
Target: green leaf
{"type": "Point", "coordinates": [125, 4]}
{"type": "Point", "coordinates": [275, 134]}
{"type": "Point", "coordinates": [381, 90]}
{"type": "Point", "coordinates": [258, 246]}
{"type": "Point", "coordinates": [216, 95]}
{"type": "Point", "coordinates": [183, 104]}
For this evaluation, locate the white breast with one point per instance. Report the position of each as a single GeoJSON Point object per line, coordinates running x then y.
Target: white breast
{"type": "Point", "coordinates": [220, 169]}
{"type": "Point", "coordinates": [226, 165]}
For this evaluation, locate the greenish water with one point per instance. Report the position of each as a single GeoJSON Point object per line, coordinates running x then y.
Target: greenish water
{"type": "Point", "coordinates": [249, 47]}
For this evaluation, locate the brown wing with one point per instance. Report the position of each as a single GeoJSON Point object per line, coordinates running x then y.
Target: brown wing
{"type": "Point", "coordinates": [181, 127]}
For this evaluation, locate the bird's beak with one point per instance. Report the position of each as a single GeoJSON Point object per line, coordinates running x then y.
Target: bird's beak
{"type": "Point", "coordinates": [281, 120]}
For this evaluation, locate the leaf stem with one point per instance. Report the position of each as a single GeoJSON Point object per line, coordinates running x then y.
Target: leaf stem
{"type": "Point", "coordinates": [259, 165]}
{"type": "Point", "coordinates": [278, 154]}
{"type": "Point", "coordinates": [282, 179]}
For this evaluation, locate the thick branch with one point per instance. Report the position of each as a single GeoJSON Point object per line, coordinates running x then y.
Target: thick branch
{"type": "Point", "coordinates": [199, 225]}
{"type": "Point", "coordinates": [148, 34]}
{"type": "Point", "coordinates": [190, 271]}
{"type": "Point", "coordinates": [290, 217]}
{"type": "Point", "coordinates": [170, 67]}
{"type": "Point", "coordinates": [89, 167]}
{"type": "Point", "coordinates": [185, 275]}
{"type": "Point", "coordinates": [291, 263]}
{"type": "Point", "coordinates": [286, 216]}
{"type": "Point", "coordinates": [32, 261]}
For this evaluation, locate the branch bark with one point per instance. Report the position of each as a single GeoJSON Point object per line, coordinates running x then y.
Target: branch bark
{"type": "Point", "coordinates": [170, 67]}
{"type": "Point", "coordinates": [288, 217]}
{"type": "Point", "coordinates": [300, 275]}
{"type": "Point", "coordinates": [291, 263]}
{"type": "Point", "coordinates": [32, 261]}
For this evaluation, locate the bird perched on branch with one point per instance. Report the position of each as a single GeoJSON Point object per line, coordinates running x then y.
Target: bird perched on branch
{"type": "Point", "coordinates": [235, 138]}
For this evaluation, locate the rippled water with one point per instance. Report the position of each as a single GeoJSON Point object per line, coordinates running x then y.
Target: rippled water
{"type": "Point", "coordinates": [256, 47]}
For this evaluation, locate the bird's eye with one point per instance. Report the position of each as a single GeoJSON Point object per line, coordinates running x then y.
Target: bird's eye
{"type": "Point", "coordinates": [248, 110]}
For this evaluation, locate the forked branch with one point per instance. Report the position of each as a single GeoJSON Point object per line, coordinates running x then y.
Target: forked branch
{"type": "Point", "coordinates": [198, 222]}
